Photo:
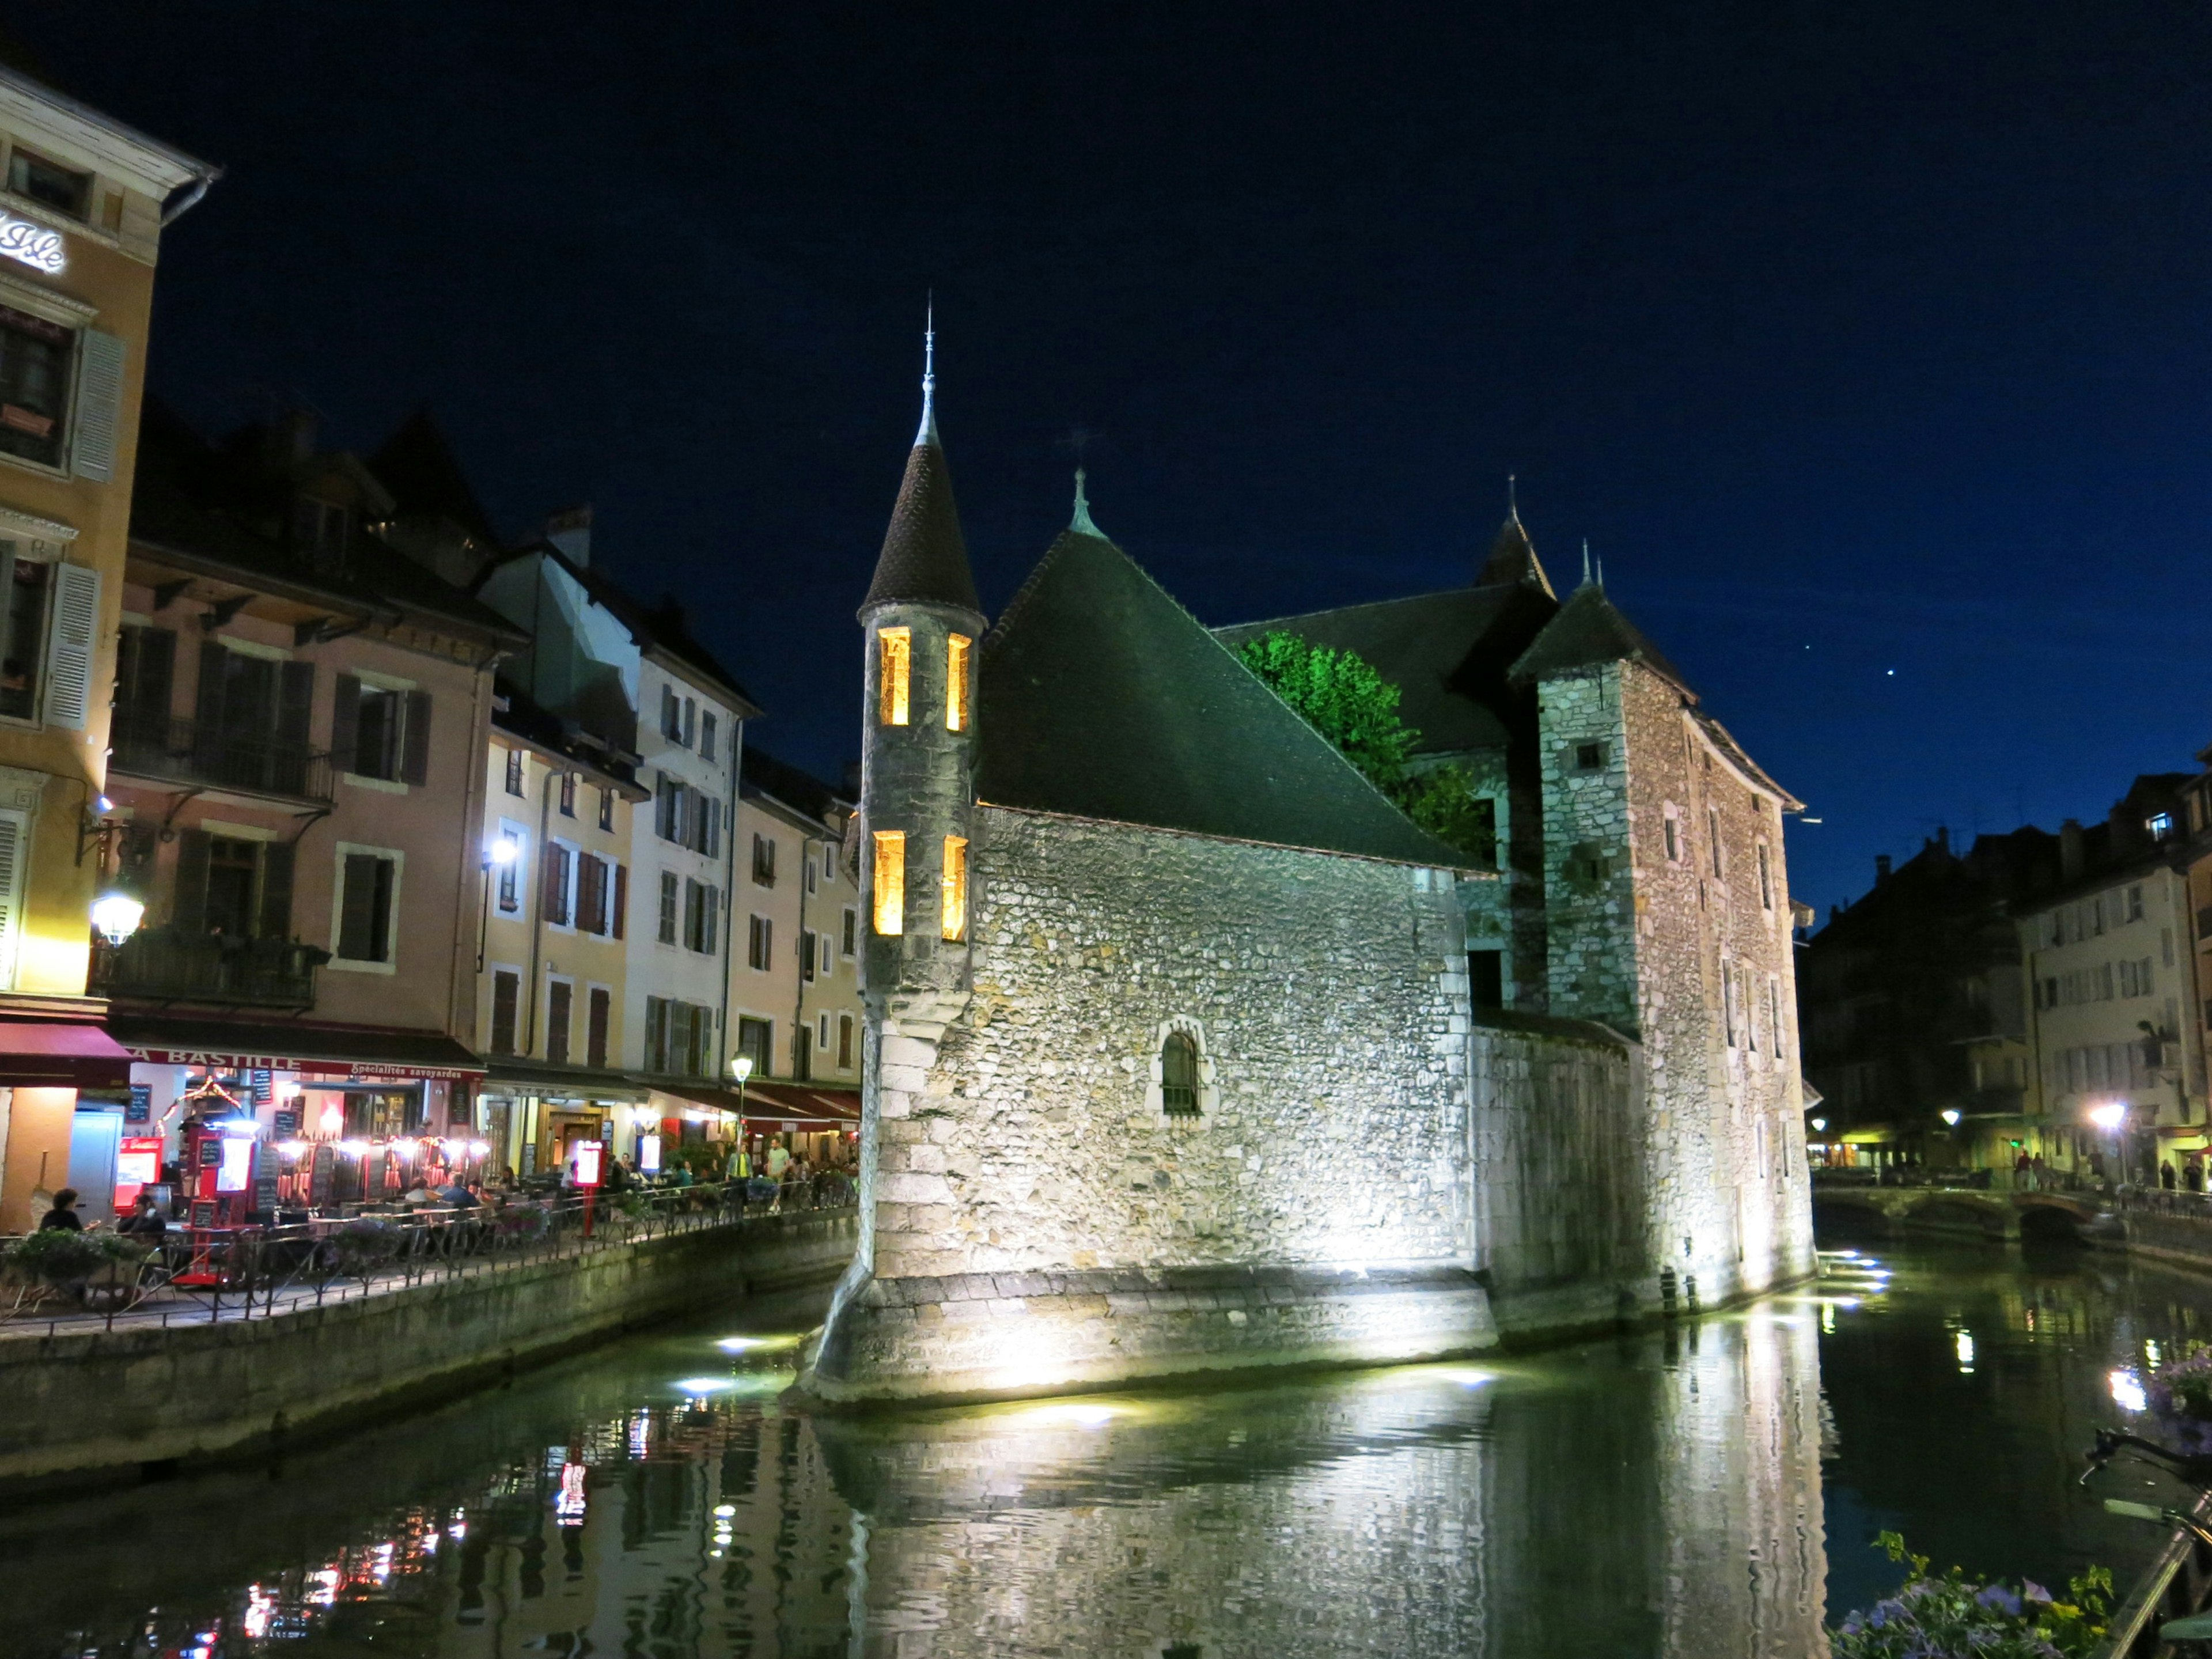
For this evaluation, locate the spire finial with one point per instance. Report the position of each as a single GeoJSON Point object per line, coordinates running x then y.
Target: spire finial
{"type": "Point", "coordinates": [927, 435]}
{"type": "Point", "coordinates": [1586, 565]}
{"type": "Point", "coordinates": [1512, 497]}
{"type": "Point", "coordinates": [1600, 575]}
{"type": "Point", "coordinates": [1081, 522]}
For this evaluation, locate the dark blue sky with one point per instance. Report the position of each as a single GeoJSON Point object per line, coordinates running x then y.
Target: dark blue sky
{"type": "Point", "coordinates": [1868, 345]}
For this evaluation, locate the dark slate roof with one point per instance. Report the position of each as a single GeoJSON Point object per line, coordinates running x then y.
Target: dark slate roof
{"type": "Point", "coordinates": [1099, 696]}
{"type": "Point", "coordinates": [1446, 653]}
{"type": "Point", "coordinates": [925, 557]}
{"type": "Point", "coordinates": [1588, 631]}
{"type": "Point", "coordinates": [417, 464]}
{"type": "Point", "coordinates": [761, 773]}
{"type": "Point", "coordinates": [1513, 559]}
{"type": "Point", "coordinates": [189, 498]}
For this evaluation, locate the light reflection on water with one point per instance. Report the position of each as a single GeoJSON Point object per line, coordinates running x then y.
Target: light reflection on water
{"type": "Point", "coordinates": [1660, 1494]}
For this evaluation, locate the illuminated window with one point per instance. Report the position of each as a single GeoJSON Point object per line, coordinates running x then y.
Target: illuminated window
{"type": "Point", "coordinates": [894, 647]}
{"type": "Point", "coordinates": [956, 681]}
{"type": "Point", "coordinates": [955, 915]}
{"type": "Point", "coordinates": [890, 882]}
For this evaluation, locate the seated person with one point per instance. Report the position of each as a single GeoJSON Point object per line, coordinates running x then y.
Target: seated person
{"type": "Point", "coordinates": [145, 1223]}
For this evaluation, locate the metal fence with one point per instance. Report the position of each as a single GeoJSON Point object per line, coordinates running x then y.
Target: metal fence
{"type": "Point", "coordinates": [200, 1275]}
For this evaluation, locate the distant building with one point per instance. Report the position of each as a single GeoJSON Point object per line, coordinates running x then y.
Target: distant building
{"type": "Point", "coordinates": [84, 203]}
{"type": "Point", "coordinates": [2113, 992]}
{"type": "Point", "coordinates": [1914, 1003]}
{"type": "Point", "coordinates": [795, 995]}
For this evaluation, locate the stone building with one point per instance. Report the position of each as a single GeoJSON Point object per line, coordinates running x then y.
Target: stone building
{"type": "Point", "coordinates": [1173, 1060]}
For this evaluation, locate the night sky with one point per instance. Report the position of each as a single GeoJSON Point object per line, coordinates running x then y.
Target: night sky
{"type": "Point", "coordinates": [1867, 345]}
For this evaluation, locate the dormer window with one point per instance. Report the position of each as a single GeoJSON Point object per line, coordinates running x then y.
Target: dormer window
{"type": "Point", "coordinates": [49, 183]}
{"type": "Point", "coordinates": [894, 653]}
{"type": "Point", "coordinates": [956, 681]}
{"type": "Point", "coordinates": [319, 529]}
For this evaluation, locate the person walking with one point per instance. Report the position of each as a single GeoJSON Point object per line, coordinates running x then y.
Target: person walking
{"type": "Point", "coordinates": [2165, 1174]}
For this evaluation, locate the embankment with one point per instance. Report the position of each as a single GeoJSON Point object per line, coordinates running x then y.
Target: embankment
{"type": "Point", "coordinates": [117, 1401]}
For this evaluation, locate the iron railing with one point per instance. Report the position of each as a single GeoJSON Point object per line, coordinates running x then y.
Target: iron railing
{"type": "Point", "coordinates": [200, 1275]}
{"type": "Point", "coordinates": [184, 750]}
{"type": "Point", "coordinates": [161, 963]}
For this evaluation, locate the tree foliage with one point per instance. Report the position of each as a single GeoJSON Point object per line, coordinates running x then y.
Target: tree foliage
{"type": "Point", "coordinates": [1341, 696]}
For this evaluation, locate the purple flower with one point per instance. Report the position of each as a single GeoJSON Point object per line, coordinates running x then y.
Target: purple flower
{"type": "Point", "coordinates": [2035, 1592]}
{"type": "Point", "coordinates": [2002, 1599]}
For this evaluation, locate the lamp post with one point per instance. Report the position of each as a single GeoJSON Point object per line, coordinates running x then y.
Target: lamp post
{"type": "Point", "coordinates": [497, 856]}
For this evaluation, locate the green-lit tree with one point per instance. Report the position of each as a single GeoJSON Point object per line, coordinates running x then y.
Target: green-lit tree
{"type": "Point", "coordinates": [1341, 696]}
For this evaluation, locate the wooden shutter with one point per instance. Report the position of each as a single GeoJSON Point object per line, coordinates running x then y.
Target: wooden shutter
{"type": "Point", "coordinates": [99, 359]}
{"type": "Point", "coordinates": [556, 885]}
{"type": "Point", "coordinates": [145, 672]}
{"type": "Point", "coordinates": [559, 1000]}
{"type": "Point", "coordinates": [592, 895]}
{"type": "Point", "coordinates": [622, 901]}
{"type": "Point", "coordinates": [188, 909]}
{"type": "Point", "coordinates": [503, 1000]}
{"type": "Point", "coordinates": [415, 763]}
{"type": "Point", "coordinates": [656, 1034]}
{"type": "Point", "coordinates": [356, 940]}
{"type": "Point", "coordinates": [277, 858]}
{"type": "Point", "coordinates": [12, 825]}
{"type": "Point", "coordinates": [600, 1007]}
{"type": "Point", "coordinates": [68, 644]}
{"type": "Point", "coordinates": [345, 724]}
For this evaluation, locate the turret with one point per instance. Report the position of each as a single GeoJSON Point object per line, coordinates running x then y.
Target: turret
{"type": "Point", "coordinates": [922, 623]}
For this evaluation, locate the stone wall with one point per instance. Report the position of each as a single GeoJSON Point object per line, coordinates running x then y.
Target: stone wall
{"type": "Point", "coordinates": [1026, 1135]}
{"type": "Point", "coordinates": [94, 1400]}
{"type": "Point", "coordinates": [1689, 953]}
{"type": "Point", "coordinates": [1559, 1113]}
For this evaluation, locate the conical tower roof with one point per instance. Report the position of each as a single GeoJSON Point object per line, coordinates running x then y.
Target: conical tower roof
{"type": "Point", "coordinates": [1589, 630]}
{"type": "Point", "coordinates": [1101, 697]}
{"type": "Point", "coordinates": [1513, 558]}
{"type": "Point", "coordinates": [925, 556]}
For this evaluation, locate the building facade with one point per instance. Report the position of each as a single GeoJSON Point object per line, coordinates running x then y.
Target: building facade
{"type": "Point", "coordinates": [795, 981]}
{"type": "Point", "coordinates": [83, 204]}
{"type": "Point", "coordinates": [298, 714]}
{"type": "Point", "coordinates": [1176, 1057]}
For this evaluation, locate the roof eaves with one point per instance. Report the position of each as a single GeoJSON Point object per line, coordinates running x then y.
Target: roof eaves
{"type": "Point", "coordinates": [1466, 870]}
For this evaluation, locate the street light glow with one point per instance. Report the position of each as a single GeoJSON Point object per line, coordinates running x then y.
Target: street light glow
{"type": "Point", "coordinates": [2108, 1116]}
{"type": "Point", "coordinates": [1950, 1116]}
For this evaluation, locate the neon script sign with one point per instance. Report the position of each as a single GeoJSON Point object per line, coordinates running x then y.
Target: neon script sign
{"type": "Point", "coordinates": [33, 245]}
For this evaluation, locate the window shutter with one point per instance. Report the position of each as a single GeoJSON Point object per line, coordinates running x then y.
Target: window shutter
{"type": "Point", "coordinates": [415, 764]}
{"type": "Point", "coordinates": [11, 893]}
{"type": "Point", "coordinates": [592, 895]}
{"type": "Point", "coordinates": [622, 900]}
{"type": "Point", "coordinates": [595, 1030]}
{"type": "Point", "coordinates": [556, 885]}
{"type": "Point", "coordinates": [295, 701]}
{"type": "Point", "coordinates": [68, 648]}
{"type": "Point", "coordinates": [7, 597]}
{"type": "Point", "coordinates": [345, 723]}
{"type": "Point", "coordinates": [153, 671]}
{"type": "Point", "coordinates": [99, 406]}
{"type": "Point", "coordinates": [656, 1034]}
{"type": "Point", "coordinates": [276, 891]}
{"type": "Point", "coordinates": [356, 940]}
{"type": "Point", "coordinates": [188, 913]}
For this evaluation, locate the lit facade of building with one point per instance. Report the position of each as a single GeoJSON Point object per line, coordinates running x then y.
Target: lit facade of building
{"type": "Point", "coordinates": [84, 203]}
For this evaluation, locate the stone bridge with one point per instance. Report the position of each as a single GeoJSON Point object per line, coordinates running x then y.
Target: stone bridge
{"type": "Point", "coordinates": [1959, 1209]}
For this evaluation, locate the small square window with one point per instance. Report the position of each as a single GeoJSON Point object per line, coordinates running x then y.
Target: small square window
{"type": "Point", "coordinates": [1588, 756]}
{"type": "Point", "coordinates": [50, 182]}
{"type": "Point", "coordinates": [606, 809]}
{"type": "Point", "coordinates": [514, 771]}
{"type": "Point", "coordinates": [568, 794]}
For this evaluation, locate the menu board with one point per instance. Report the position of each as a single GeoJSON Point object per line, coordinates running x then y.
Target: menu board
{"type": "Point", "coordinates": [318, 1183]}
{"type": "Point", "coordinates": [285, 1125]}
{"type": "Point", "coordinates": [141, 1109]}
{"type": "Point", "coordinates": [137, 1165]}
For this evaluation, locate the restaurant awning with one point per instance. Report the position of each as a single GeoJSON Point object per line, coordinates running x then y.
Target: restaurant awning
{"type": "Point", "coordinates": [355, 1053]}
{"type": "Point", "coordinates": [776, 1105]}
{"type": "Point", "coordinates": [61, 1053]}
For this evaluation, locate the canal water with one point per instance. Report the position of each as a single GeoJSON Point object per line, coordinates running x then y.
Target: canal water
{"type": "Point", "coordinates": [1709, 1492]}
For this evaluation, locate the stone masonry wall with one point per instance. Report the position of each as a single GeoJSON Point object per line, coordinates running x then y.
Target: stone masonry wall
{"type": "Point", "coordinates": [1039, 1220]}
{"type": "Point", "coordinates": [1329, 998]}
{"type": "Point", "coordinates": [1689, 954]}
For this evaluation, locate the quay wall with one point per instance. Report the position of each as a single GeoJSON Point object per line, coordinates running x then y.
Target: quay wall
{"type": "Point", "coordinates": [99, 1399]}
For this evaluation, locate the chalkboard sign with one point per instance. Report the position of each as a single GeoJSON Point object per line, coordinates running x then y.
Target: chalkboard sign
{"type": "Point", "coordinates": [263, 1086]}
{"type": "Point", "coordinates": [285, 1125]}
{"type": "Point", "coordinates": [318, 1183]}
{"type": "Point", "coordinates": [264, 1192]}
{"type": "Point", "coordinates": [141, 1109]}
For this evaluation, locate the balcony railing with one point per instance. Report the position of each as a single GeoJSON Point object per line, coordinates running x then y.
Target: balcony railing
{"type": "Point", "coordinates": [186, 751]}
{"type": "Point", "coordinates": [161, 964]}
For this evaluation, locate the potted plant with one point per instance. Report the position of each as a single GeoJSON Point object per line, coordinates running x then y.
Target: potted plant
{"type": "Point", "coordinates": [2180, 1396]}
{"type": "Point", "coordinates": [1949, 1616]}
{"type": "Point", "coordinates": [57, 1256]}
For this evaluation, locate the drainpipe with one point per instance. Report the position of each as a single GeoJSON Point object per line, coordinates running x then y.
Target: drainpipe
{"type": "Point", "coordinates": [538, 914]}
{"type": "Point", "coordinates": [799, 1004]}
{"type": "Point", "coordinates": [729, 891]}
{"type": "Point", "coordinates": [176, 206]}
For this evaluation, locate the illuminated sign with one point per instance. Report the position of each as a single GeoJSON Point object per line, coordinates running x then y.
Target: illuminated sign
{"type": "Point", "coordinates": [32, 244]}
{"type": "Point", "coordinates": [235, 1173]}
{"type": "Point", "coordinates": [588, 1156]}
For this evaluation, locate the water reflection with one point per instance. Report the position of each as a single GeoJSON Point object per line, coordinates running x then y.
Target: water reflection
{"type": "Point", "coordinates": [1689, 1493]}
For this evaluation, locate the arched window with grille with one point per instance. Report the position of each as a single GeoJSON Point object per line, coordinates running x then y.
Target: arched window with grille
{"type": "Point", "coordinates": [1179, 1074]}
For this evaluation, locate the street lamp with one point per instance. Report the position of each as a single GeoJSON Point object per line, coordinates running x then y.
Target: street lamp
{"type": "Point", "coordinates": [1819, 1126]}
{"type": "Point", "coordinates": [116, 915]}
{"type": "Point", "coordinates": [1950, 1117]}
{"type": "Point", "coordinates": [741, 1068]}
{"type": "Point", "coordinates": [2109, 1116]}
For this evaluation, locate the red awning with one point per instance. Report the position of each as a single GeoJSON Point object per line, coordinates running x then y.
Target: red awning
{"type": "Point", "coordinates": [61, 1053]}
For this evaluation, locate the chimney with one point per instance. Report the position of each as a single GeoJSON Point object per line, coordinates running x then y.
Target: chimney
{"type": "Point", "coordinates": [570, 529]}
{"type": "Point", "coordinates": [1880, 868]}
{"type": "Point", "coordinates": [2070, 851]}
